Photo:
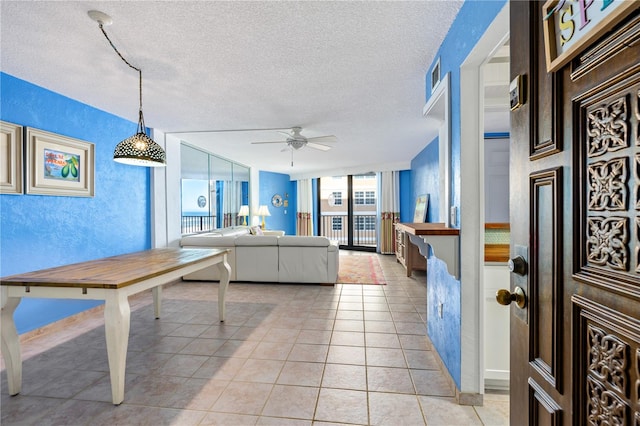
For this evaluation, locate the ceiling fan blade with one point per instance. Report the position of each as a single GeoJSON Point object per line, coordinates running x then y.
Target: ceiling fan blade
{"type": "Point", "coordinates": [325, 139]}
{"type": "Point", "coordinates": [257, 143]}
{"type": "Point", "coordinates": [318, 146]}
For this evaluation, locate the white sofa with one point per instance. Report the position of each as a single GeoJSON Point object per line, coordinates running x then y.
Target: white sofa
{"type": "Point", "coordinates": [272, 257]}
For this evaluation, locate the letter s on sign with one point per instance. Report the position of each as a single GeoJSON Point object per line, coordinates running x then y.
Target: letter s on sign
{"type": "Point", "coordinates": [566, 25]}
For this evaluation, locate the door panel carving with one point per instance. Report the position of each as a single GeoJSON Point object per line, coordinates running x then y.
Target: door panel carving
{"type": "Point", "coordinates": [607, 117]}
{"type": "Point", "coordinates": [608, 358]}
{"type": "Point", "coordinates": [607, 128]}
{"type": "Point", "coordinates": [607, 185]}
{"type": "Point", "coordinates": [608, 339]}
{"type": "Point", "coordinates": [604, 407]}
{"type": "Point", "coordinates": [607, 240]}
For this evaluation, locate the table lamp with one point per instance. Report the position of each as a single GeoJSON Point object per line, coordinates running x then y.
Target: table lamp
{"type": "Point", "coordinates": [263, 211]}
{"type": "Point", "coordinates": [244, 212]}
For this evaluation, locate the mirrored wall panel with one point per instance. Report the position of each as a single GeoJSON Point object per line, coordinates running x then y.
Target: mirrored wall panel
{"type": "Point", "coordinates": [213, 191]}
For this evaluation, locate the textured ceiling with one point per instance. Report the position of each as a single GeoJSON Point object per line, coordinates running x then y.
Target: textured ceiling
{"type": "Point", "coordinates": [355, 70]}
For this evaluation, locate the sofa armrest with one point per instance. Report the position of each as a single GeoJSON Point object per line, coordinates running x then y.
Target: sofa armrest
{"type": "Point", "coordinates": [274, 233]}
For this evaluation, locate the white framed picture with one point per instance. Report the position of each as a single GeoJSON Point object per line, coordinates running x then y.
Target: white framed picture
{"type": "Point", "coordinates": [11, 158]}
{"type": "Point", "coordinates": [58, 165]}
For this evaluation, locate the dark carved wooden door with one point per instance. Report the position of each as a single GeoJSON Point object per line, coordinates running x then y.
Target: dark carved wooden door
{"type": "Point", "coordinates": [575, 220]}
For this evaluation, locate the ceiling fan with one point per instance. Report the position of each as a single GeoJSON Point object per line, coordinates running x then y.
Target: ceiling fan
{"type": "Point", "coordinates": [296, 141]}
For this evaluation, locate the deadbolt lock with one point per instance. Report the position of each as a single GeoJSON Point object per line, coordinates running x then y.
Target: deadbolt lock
{"type": "Point", "coordinates": [518, 265]}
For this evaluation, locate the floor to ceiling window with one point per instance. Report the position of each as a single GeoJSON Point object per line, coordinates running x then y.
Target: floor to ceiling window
{"type": "Point", "coordinates": [347, 206]}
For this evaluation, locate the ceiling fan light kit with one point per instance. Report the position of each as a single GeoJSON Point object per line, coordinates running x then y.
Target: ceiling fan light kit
{"type": "Point", "coordinates": [296, 141]}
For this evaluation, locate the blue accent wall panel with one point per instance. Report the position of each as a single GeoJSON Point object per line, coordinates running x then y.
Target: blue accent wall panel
{"type": "Point", "coordinates": [425, 178]}
{"type": "Point", "coordinates": [407, 201]}
{"type": "Point", "coordinates": [39, 231]}
{"type": "Point", "coordinates": [444, 331]}
{"type": "Point", "coordinates": [282, 218]}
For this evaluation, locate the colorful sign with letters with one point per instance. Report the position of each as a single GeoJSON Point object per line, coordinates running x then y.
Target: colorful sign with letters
{"type": "Point", "coordinates": [570, 25]}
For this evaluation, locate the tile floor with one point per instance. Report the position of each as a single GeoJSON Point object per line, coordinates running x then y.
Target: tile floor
{"type": "Point", "coordinates": [287, 355]}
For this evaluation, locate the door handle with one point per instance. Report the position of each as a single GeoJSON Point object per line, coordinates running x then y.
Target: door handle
{"type": "Point", "coordinates": [505, 297]}
{"type": "Point", "coordinates": [518, 265]}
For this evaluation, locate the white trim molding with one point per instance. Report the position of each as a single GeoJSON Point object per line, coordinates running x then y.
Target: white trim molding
{"type": "Point", "coordinates": [437, 111]}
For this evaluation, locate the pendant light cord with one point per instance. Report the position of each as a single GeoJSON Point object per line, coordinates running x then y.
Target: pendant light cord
{"type": "Point", "coordinates": [141, 127]}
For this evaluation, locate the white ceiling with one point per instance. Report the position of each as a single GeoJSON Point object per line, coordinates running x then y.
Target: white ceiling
{"type": "Point", "coordinates": [351, 69]}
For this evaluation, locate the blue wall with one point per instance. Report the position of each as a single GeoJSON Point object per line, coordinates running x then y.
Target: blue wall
{"type": "Point", "coordinates": [471, 23]}
{"type": "Point", "coordinates": [444, 289]}
{"type": "Point", "coordinates": [407, 200]}
{"type": "Point", "coordinates": [46, 231]}
{"type": "Point", "coordinates": [282, 218]}
{"type": "Point", "coordinates": [425, 179]}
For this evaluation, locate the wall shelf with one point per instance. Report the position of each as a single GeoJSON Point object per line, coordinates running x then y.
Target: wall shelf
{"type": "Point", "coordinates": [444, 242]}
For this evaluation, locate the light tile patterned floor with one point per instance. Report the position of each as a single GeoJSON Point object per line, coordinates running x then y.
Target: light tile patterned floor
{"type": "Point", "coordinates": [287, 355]}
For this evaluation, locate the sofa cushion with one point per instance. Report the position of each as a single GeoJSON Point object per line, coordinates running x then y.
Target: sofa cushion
{"type": "Point", "coordinates": [300, 241]}
{"type": "Point", "coordinates": [256, 230]}
{"type": "Point", "coordinates": [257, 262]}
{"type": "Point", "coordinates": [207, 240]}
{"type": "Point", "coordinates": [256, 240]}
{"type": "Point", "coordinates": [234, 231]}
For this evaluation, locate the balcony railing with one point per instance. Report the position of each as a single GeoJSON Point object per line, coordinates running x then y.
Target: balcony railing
{"type": "Point", "coordinates": [335, 227]}
{"type": "Point", "coordinates": [195, 224]}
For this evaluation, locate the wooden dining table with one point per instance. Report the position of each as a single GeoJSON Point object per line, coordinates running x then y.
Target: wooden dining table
{"type": "Point", "coordinates": [112, 279]}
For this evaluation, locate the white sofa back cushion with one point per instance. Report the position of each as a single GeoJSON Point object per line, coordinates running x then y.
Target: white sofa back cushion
{"type": "Point", "coordinates": [300, 241]}
{"type": "Point", "coordinates": [236, 230]}
{"type": "Point", "coordinates": [257, 240]}
{"type": "Point", "coordinates": [207, 240]}
{"type": "Point", "coordinates": [257, 258]}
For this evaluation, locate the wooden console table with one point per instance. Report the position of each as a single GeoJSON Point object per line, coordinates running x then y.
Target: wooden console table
{"type": "Point", "coordinates": [112, 279]}
{"type": "Point", "coordinates": [407, 252]}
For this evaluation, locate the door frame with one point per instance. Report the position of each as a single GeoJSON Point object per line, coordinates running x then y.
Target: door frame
{"type": "Point", "coordinates": [472, 203]}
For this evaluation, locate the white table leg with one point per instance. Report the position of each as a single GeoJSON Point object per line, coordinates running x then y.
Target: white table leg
{"type": "Point", "coordinates": [157, 300]}
{"type": "Point", "coordinates": [225, 272]}
{"type": "Point", "coordinates": [117, 317]}
{"type": "Point", "coordinates": [10, 343]}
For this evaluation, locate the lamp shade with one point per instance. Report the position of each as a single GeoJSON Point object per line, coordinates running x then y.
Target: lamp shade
{"type": "Point", "coordinates": [263, 211]}
{"type": "Point", "coordinates": [140, 150]}
{"type": "Point", "coordinates": [244, 210]}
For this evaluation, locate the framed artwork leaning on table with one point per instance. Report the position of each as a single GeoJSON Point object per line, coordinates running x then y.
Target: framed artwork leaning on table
{"type": "Point", "coordinates": [422, 205]}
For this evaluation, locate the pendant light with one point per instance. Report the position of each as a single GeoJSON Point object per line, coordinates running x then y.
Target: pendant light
{"type": "Point", "coordinates": [139, 149]}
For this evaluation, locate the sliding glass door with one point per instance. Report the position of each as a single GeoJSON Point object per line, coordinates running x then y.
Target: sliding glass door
{"type": "Point", "coordinates": [348, 210]}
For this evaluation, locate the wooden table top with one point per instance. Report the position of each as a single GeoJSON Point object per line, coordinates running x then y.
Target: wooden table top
{"type": "Point", "coordinates": [114, 272]}
{"type": "Point", "coordinates": [427, 229]}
